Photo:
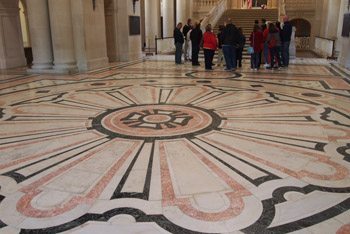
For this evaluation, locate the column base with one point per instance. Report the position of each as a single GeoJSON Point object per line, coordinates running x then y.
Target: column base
{"type": "Point", "coordinates": [42, 66]}
{"type": "Point", "coordinates": [53, 69]}
{"type": "Point", "coordinates": [66, 68]}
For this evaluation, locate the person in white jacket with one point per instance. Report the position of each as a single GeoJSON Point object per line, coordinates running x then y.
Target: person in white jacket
{"type": "Point", "coordinates": [188, 53]}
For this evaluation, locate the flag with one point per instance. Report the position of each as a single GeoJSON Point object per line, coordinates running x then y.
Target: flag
{"type": "Point", "coordinates": [250, 4]}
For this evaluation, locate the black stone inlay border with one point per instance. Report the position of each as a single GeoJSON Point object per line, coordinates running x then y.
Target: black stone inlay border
{"type": "Point", "coordinates": [311, 95]}
{"type": "Point", "coordinates": [342, 150]}
{"type": "Point", "coordinates": [139, 216]}
{"type": "Point", "coordinates": [261, 226]}
{"type": "Point", "coordinates": [230, 75]}
{"type": "Point", "coordinates": [20, 178]}
{"type": "Point", "coordinates": [97, 124]}
{"type": "Point", "coordinates": [145, 194]}
{"type": "Point", "coordinates": [326, 114]}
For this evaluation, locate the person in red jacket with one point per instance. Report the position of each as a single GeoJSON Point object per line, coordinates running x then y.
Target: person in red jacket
{"type": "Point", "coordinates": [256, 41]}
{"type": "Point", "coordinates": [209, 45]}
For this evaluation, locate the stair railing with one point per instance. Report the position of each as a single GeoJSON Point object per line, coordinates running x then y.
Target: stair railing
{"type": "Point", "coordinates": [215, 14]}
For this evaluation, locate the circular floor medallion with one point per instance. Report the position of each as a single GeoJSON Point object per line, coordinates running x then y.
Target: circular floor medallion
{"type": "Point", "coordinates": [156, 122]}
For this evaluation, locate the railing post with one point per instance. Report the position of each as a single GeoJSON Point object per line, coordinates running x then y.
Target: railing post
{"type": "Point", "coordinates": [155, 39]}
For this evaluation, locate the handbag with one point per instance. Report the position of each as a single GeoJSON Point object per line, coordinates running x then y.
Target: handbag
{"type": "Point", "coordinates": [250, 50]}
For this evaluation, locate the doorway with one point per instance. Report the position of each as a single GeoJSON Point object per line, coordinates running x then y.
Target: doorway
{"type": "Point", "coordinates": [25, 32]}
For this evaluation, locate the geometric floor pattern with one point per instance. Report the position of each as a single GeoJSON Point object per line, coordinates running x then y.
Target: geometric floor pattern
{"type": "Point", "coordinates": [157, 148]}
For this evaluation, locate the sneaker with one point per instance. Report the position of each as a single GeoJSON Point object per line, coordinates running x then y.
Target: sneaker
{"type": "Point", "coordinates": [266, 65]}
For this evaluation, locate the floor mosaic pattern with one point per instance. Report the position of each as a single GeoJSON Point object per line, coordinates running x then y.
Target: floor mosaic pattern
{"type": "Point", "coordinates": [154, 147]}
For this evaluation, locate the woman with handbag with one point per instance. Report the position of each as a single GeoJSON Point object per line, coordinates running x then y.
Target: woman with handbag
{"type": "Point", "coordinates": [256, 41]}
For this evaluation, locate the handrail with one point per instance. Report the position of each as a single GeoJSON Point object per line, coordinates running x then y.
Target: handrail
{"type": "Point", "coordinates": [325, 38]}
{"type": "Point", "coordinates": [214, 15]}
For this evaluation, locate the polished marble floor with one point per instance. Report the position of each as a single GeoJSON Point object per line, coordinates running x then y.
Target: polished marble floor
{"type": "Point", "coordinates": [154, 147]}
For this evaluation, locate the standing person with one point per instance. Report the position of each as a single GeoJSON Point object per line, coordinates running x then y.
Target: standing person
{"type": "Point", "coordinates": [185, 31]}
{"type": "Point", "coordinates": [279, 48]}
{"type": "Point", "coordinates": [179, 41]}
{"type": "Point", "coordinates": [189, 44]}
{"type": "Point", "coordinates": [239, 50]}
{"type": "Point", "coordinates": [263, 25]}
{"type": "Point", "coordinates": [221, 57]}
{"type": "Point", "coordinates": [230, 41]}
{"type": "Point", "coordinates": [196, 38]}
{"type": "Point", "coordinates": [274, 40]}
{"type": "Point", "coordinates": [286, 38]}
{"type": "Point", "coordinates": [256, 41]}
{"type": "Point", "coordinates": [265, 51]}
{"type": "Point", "coordinates": [209, 47]}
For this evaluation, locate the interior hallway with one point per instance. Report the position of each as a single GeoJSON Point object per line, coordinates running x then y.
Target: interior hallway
{"type": "Point", "coordinates": [153, 147]}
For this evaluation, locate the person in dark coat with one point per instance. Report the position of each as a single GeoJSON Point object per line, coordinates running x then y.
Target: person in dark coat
{"type": "Point", "coordinates": [279, 48]}
{"type": "Point", "coordinates": [239, 50]}
{"type": "Point", "coordinates": [286, 38]}
{"type": "Point", "coordinates": [256, 41]}
{"type": "Point", "coordinates": [231, 37]}
{"type": "Point", "coordinates": [179, 41]}
{"type": "Point", "coordinates": [196, 39]}
{"type": "Point", "coordinates": [274, 41]}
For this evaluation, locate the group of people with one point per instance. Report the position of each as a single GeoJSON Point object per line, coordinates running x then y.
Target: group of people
{"type": "Point", "coordinates": [269, 43]}
{"type": "Point", "coordinates": [192, 36]}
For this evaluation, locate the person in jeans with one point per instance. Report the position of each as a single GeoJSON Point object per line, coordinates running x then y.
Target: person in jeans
{"type": "Point", "coordinates": [266, 54]}
{"type": "Point", "coordinates": [274, 41]}
{"type": "Point", "coordinates": [230, 42]}
{"type": "Point", "coordinates": [239, 50]}
{"type": "Point", "coordinates": [179, 41]}
{"type": "Point", "coordinates": [221, 58]}
{"type": "Point", "coordinates": [209, 47]}
{"type": "Point", "coordinates": [196, 38]}
{"type": "Point", "coordinates": [279, 48]}
{"type": "Point", "coordinates": [256, 41]}
{"type": "Point", "coordinates": [286, 38]}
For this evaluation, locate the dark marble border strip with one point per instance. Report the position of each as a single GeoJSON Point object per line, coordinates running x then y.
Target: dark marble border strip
{"type": "Point", "coordinates": [269, 176]}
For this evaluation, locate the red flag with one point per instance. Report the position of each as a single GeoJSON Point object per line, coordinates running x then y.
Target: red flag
{"type": "Point", "coordinates": [250, 4]}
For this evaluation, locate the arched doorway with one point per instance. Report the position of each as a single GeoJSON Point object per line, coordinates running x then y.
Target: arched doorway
{"type": "Point", "coordinates": [303, 33]}
{"type": "Point", "coordinates": [303, 27]}
{"type": "Point", "coordinates": [25, 31]}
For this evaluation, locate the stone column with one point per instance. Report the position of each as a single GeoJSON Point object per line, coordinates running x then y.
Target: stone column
{"type": "Point", "coordinates": [62, 36]}
{"type": "Point", "coordinates": [333, 9]}
{"type": "Point", "coordinates": [11, 42]}
{"type": "Point", "coordinates": [168, 18]}
{"type": "Point", "coordinates": [39, 28]}
{"type": "Point", "coordinates": [292, 47]}
{"type": "Point", "coordinates": [152, 21]}
{"type": "Point", "coordinates": [344, 42]}
{"type": "Point", "coordinates": [274, 3]}
{"type": "Point", "coordinates": [182, 7]}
